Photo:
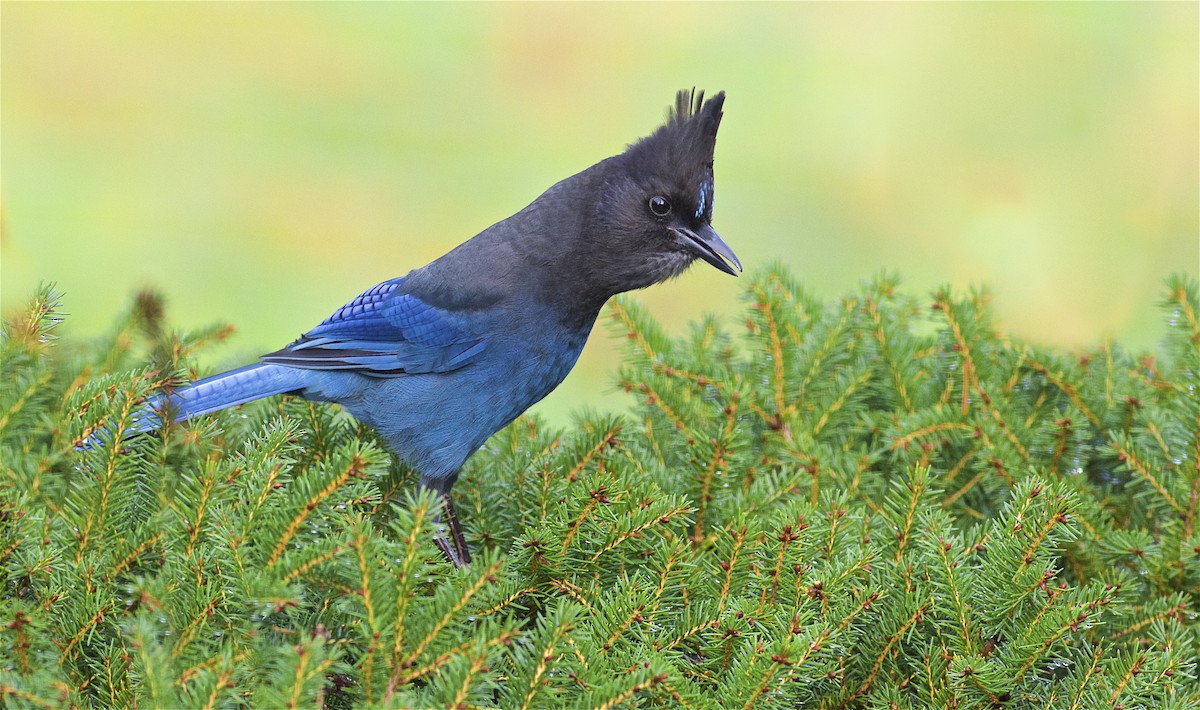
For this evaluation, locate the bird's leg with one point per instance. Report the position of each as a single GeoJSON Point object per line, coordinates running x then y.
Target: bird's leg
{"type": "Point", "coordinates": [454, 548]}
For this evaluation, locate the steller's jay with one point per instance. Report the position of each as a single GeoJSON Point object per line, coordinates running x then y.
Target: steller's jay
{"type": "Point", "coordinates": [439, 360]}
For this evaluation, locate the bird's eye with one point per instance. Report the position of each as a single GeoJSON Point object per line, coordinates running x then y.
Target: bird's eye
{"type": "Point", "coordinates": [660, 206]}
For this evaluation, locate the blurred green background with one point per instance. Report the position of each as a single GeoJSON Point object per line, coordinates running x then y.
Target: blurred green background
{"type": "Point", "coordinates": [263, 163]}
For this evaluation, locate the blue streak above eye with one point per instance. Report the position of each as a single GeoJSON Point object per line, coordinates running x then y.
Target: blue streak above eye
{"type": "Point", "coordinates": [705, 187]}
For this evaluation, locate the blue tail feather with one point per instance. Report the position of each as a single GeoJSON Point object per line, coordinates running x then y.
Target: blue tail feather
{"type": "Point", "coordinates": [212, 394]}
{"type": "Point", "coordinates": [229, 389]}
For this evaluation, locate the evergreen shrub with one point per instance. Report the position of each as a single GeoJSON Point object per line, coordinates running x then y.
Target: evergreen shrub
{"type": "Point", "coordinates": [880, 502]}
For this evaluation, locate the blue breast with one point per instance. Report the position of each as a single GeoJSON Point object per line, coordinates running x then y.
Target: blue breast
{"type": "Point", "coordinates": [436, 421]}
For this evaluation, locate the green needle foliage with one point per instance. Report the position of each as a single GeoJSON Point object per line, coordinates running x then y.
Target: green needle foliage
{"type": "Point", "coordinates": [879, 502]}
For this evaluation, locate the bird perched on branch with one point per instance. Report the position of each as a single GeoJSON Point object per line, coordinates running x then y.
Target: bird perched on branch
{"type": "Point", "coordinates": [439, 360]}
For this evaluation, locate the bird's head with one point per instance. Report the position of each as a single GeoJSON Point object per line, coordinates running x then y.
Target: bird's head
{"type": "Point", "coordinates": [658, 196]}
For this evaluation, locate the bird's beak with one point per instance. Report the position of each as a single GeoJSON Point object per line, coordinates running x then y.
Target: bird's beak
{"type": "Point", "coordinates": [708, 245]}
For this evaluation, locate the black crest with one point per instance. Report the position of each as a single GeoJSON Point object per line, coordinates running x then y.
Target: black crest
{"type": "Point", "coordinates": [692, 114]}
{"type": "Point", "coordinates": [684, 144]}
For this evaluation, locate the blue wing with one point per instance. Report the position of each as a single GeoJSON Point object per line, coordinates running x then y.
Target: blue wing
{"type": "Point", "coordinates": [385, 332]}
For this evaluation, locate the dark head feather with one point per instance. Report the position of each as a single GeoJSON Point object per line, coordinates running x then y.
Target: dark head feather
{"type": "Point", "coordinates": [688, 138]}
{"type": "Point", "coordinates": [691, 105]}
{"type": "Point", "coordinates": [648, 216]}
{"type": "Point", "coordinates": [678, 157]}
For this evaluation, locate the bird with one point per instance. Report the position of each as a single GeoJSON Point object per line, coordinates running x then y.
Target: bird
{"type": "Point", "coordinates": [440, 359]}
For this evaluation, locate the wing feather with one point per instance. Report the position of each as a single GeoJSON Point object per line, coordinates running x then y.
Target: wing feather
{"type": "Point", "coordinates": [386, 332]}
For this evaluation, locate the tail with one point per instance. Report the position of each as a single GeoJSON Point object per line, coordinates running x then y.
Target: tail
{"type": "Point", "coordinates": [212, 394]}
{"type": "Point", "coordinates": [222, 391]}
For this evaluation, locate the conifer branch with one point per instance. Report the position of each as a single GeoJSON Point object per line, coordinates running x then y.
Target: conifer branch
{"type": "Point", "coordinates": [97, 617]}
{"type": "Point", "coordinates": [1179, 297]}
{"type": "Point", "coordinates": [221, 682]}
{"type": "Point", "coordinates": [853, 386]}
{"type": "Point", "coordinates": [485, 576]}
{"type": "Point", "coordinates": [886, 350]}
{"type": "Point", "coordinates": [574, 592]}
{"type": "Point", "coordinates": [353, 470]}
{"type": "Point", "coordinates": [1176, 611]}
{"type": "Point", "coordinates": [504, 638]}
{"type": "Point", "coordinates": [715, 462]}
{"type": "Point", "coordinates": [554, 636]}
{"type": "Point", "coordinates": [507, 601]}
{"type": "Point", "coordinates": [127, 561]}
{"type": "Point", "coordinates": [916, 489]}
{"type": "Point", "coordinates": [958, 601]}
{"type": "Point", "coordinates": [477, 662]}
{"type": "Point", "coordinates": [636, 531]}
{"type": "Point", "coordinates": [1059, 381]}
{"type": "Point", "coordinates": [406, 572]}
{"type": "Point", "coordinates": [190, 674]}
{"type": "Point", "coordinates": [26, 395]}
{"type": "Point", "coordinates": [901, 442]}
{"type": "Point", "coordinates": [305, 567]}
{"type": "Point", "coordinates": [890, 644]}
{"type": "Point", "coordinates": [596, 497]}
{"type": "Point", "coordinates": [306, 667]}
{"type": "Point", "coordinates": [1134, 669]}
{"type": "Point", "coordinates": [970, 483]}
{"type": "Point", "coordinates": [609, 438]}
{"type": "Point", "coordinates": [188, 633]}
{"type": "Point", "coordinates": [1126, 454]}
{"type": "Point", "coordinates": [9, 691]}
{"type": "Point", "coordinates": [738, 538]}
{"type": "Point", "coordinates": [656, 399]}
{"type": "Point", "coordinates": [775, 343]}
{"type": "Point", "coordinates": [697, 380]}
{"type": "Point", "coordinates": [624, 696]}
{"type": "Point", "coordinates": [1088, 674]}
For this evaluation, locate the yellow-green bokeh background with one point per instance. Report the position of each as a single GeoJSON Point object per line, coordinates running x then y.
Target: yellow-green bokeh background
{"type": "Point", "coordinates": [262, 163]}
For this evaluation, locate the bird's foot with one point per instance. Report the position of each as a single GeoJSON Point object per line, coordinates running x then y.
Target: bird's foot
{"type": "Point", "coordinates": [454, 547]}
